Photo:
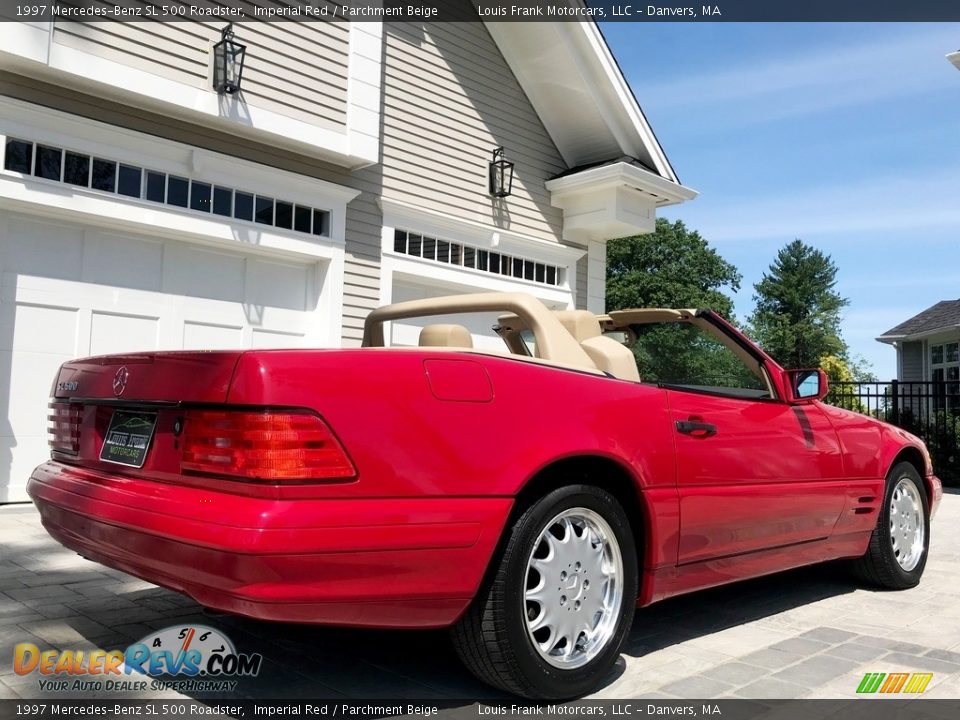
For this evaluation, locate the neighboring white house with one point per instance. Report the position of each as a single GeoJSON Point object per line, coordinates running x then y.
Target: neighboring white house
{"type": "Point", "coordinates": [141, 210]}
{"type": "Point", "coordinates": [928, 350]}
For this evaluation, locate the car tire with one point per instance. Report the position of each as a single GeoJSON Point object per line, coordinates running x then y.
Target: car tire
{"type": "Point", "coordinates": [549, 620]}
{"type": "Point", "coordinates": [897, 553]}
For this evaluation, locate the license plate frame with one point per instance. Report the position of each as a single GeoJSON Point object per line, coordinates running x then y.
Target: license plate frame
{"type": "Point", "coordinates": [128, 438]}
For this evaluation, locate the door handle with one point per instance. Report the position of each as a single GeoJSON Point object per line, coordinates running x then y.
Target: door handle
{"type": "Point", "coordinates": [696, 429]}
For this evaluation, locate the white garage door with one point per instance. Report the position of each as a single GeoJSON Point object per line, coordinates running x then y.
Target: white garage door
{"type": "Point", "coordinates": [69, 291]}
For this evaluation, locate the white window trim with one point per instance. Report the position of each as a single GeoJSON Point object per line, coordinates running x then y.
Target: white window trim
{"type": "Point", "coordinates": [29, 47]}
{"type": "Point", "coordinates": [409, 217]}
{"type": "Point", "coordinates": [54, 200]}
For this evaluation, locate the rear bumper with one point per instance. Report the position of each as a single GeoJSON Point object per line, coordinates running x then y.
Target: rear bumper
{"type": "Point", "coordinates": [369, 562]}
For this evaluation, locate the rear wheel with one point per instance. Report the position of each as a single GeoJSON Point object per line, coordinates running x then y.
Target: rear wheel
{"type": "Point", "coordinates": [898, 547]}
{"type": "Point", "coordinates": [551, 620]}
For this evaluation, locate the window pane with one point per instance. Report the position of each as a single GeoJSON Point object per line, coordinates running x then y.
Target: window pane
{"type": "Point", "coordinates": [430, 248]}
{"type": "Point", "coordinates": [952, 352]}
{"type": "Point", "coordinates": [936, 354]}
{"type": "Point", "coordinates": [443, 251]}
{"type": "Point", "coordinates": [528, 270]}
{"type": "Point", "coordinates": [683, 355]}
{"type": "Point", "coordinates": [242, 206]}
{"type": "Point", "coordinates": [321, 222]}
{"type": "Point", "coordinates": [469, 257]}
{"type": "Point", "coordinates": [415, 244]}
{"type": "Point", "coordinates": [19, 156]}
{"type": "Point", "coordinates": [301, 219]}
{"type": "Point", "coordinates": [264, 210]}
{"type": "Point", "coordinates": [552, 276]}
{"type": "Point", "coordinates": [483, 257]}
{"type": "Point", "coordinates": [156, 186]}
{"type": "Point", "coordinates": [953, 373]}
{"type": "Point", "coordinates": [200, 196]}
{"type": "Point", "coordinates": [76, 169]}
{"type": "Point", "coordinates": [130, 179]}
{"type": "Point", "coordinates": [105, 176]}
{"type": "Point", "coordinates": [494, 262]}
{"type": "Point", "coordinates": [284, 215]}
{"type": "Point", "coordinates": [517, 268]}
{"type": "Point", "coordinates": [539, 273]}
{"type": "Point", "coordinates": [223, 201]}
{"type": "Point", "coordinates": [48, 162]}
{"type": "Point", "coordinates": [177, 189]}
{"type": "Point", "coordinates": [455, 253]}
{"type": "Point", "coordinates": [399, 241]}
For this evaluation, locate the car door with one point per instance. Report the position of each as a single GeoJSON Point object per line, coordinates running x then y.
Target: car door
{"type": "Point", "coordinates": [753, 472]}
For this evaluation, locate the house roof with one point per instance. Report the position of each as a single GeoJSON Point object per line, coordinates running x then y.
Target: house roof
{"type": "Point", "coordinates": [578, 90]}
{"type": "Point", "coordinates": [944, 315]}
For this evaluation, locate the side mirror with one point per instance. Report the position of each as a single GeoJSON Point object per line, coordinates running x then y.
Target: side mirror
{"type": "Point", "coordinates": [806, 385]}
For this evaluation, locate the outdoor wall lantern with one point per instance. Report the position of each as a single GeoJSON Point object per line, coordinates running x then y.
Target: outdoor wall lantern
{"type": "Point", "coordinates": [228, 57]}
{"type": "Point", "coordinates": [501, 174]}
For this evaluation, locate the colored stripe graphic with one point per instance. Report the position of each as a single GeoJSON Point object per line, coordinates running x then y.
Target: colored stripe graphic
{"type": "Point", "coordinates": [870, 682]}
{"type": "Point", "coordinates": [918, 682]}
{"type": "Point", "coordinates": [894, 683]}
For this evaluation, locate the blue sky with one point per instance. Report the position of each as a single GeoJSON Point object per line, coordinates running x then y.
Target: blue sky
{"type": "Point", "coordinates": [844, 135]}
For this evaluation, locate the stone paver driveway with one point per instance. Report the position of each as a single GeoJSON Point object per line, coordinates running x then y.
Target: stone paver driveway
{"type": "Point", "coordinates": [806, 633]}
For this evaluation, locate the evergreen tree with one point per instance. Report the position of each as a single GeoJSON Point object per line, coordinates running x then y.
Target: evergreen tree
{"type": "Point", "coordinates": [797, 314]}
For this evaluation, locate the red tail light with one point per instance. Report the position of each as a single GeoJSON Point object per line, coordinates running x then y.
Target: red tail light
{"type": "Point", "coordinates": [263, 446]}
{"type": "Point", "coordinates": [64, 427]}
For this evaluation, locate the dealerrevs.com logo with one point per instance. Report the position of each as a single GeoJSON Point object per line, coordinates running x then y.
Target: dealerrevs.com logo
{"type": "Point", "coordinates": [182, 658]}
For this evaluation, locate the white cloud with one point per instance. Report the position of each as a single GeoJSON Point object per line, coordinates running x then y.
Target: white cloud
{"type": "Point", "coordinates": [806, 81]}
{"type": "Point", "coordinates": [896, 203]}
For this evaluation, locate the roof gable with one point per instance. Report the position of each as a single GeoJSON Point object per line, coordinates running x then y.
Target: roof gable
{"type": "Point", "coordinates": [575, 85]}
{"type": "Point", "coordinates": [945, 314]}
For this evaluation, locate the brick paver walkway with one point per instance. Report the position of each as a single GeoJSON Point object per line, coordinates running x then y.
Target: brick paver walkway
{"type": "Point", "coordinates": [806, 633]}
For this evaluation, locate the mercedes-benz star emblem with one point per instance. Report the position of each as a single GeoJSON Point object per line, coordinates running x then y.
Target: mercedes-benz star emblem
{"type": "Point", "coordinates": [120, 381]}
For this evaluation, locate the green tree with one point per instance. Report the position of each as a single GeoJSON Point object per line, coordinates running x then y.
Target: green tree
{"type": "Point", "coordinates": [797, 313]}
{"type": "Point", "coordinates": [674, 267]}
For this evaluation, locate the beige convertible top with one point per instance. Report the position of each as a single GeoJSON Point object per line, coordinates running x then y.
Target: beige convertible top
{"type": "Point", "coordinates": [572, 338]}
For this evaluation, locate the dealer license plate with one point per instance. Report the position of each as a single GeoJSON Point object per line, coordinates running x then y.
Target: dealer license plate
{"type": "Point", "coordinates": [128, 437]}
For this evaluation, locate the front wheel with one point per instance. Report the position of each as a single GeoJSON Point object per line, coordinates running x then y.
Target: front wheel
{"type": "Point", "coordinates": [898, 547]}
{"type": "Point", "coordinates": [551, 620]}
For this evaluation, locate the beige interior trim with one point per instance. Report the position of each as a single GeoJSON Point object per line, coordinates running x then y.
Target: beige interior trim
{"type": "Point", "coordinates": [553, 341]}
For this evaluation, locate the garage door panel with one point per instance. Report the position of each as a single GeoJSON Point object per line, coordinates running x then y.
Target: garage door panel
{"type": "Point", "coordinates": [70, 291]}
{"type": "Point", "coordinates": [279, 285]}
{"type": "Point", "coordinates": [196, 272]}
{"type": "Point", "coordinates": [207, 336]}
{"type": "Point", "coordinates": [38, 328]}
{"type": "Point", "coordinates": [126, 262]}
{"type": "Point", "coordinates": [117, 333]}
{"type": "Point", "coordinates": [44, 249]}
{"type": "Point", "coordinates": [266, 339]}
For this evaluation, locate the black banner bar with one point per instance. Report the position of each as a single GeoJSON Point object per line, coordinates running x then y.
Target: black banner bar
{"type": "Point", "coordinates": [485, 10]}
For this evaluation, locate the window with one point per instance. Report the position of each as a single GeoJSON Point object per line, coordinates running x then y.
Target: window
{"type": "Point", "coordinates": [685, 356]}
{"type": "Point", "coordinates": [453, 253]}
{"type": "Point", "coordinates": [945, 373]}
{"type": "Point", "coordinates": [83, 170]}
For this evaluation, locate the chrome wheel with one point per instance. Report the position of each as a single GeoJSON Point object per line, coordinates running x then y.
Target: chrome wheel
{"type": "Point", "coordinates": [907, 528]}
{"type": "Point", "coordinates": [574, 588]}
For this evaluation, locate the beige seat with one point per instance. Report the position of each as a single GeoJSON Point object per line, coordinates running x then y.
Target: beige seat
{"type": "Point", "coordinates": [454, 336]}
{"type": "Point", "coordinates": [606, 353]}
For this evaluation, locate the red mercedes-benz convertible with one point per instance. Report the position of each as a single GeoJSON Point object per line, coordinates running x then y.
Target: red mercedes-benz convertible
{"type": "Point", "coordinates": [527, 496]}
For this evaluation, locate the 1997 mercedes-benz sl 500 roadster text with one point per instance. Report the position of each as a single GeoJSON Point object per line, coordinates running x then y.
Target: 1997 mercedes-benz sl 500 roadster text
{"type": "Point", "coordinates": [528, 496]}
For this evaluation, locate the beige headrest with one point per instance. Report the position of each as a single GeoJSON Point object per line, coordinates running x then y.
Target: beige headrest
{"type": "Point", "coordinates": [445, 336]}
{"type": "Point", "coordinates": [582, 324]}
{"type": "Point", "coordinates": [612, 357]}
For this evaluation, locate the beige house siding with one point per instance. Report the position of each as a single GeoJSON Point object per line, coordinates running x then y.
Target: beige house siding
{"type": "Point", "coordinates": [297, 69]}
{"type": "Point", "coordinates": [911, 360]}
{"type": "Point", "coordinates": [449, 99]}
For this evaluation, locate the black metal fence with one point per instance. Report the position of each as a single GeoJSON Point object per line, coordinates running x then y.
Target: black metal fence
{"type": "Point", "coordinates": [929, 410]}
